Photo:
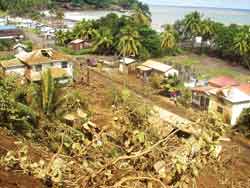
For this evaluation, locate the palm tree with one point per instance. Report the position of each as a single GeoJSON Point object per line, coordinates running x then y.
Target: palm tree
{"type": "Point", "coordinates": [84, 30]}
{"type": "Point", "coordinates": [207, 31]}
{"type": "Point", "coordinates": [168, 38]}
{"type": "Point", "coordinates": [140, 17]}
{"type": "Point", "coordinates": [241, 44]}
{"type": "Point", "coordinates": [103, 40]}
{"type": "Point", "coordinates": [129, 42]}
{"type": "Point", "coordinates": [60, 37]}
{"type": "Point", "coordinates": [51, 100]}
{"type": "Point", "coordinates": [192, 24]}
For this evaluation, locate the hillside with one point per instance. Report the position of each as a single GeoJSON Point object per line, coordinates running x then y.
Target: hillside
{"type": "Point", "coordinates": [19, 7]}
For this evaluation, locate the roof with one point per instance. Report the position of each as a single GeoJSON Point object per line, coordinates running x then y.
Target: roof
{"type": "Point", "coordinates": [231, 94]}
{"type": "Point", "coordinates": [143, 68]}
{"type": "Point", "coordinates": [77, 41]}
{"type": "Point", "coordinates": [245, 88]}
{"type": "Point", "coordinates": [202, 89]}
{"type": "Point", "coordinates": [42, 56]}
{"type": "Point", "coordinates": [127, 61]}
{"type": "Point", "coordinates": [11, 63]}
{"type": "Point", "coordinates": [19, 45]}
{"type": "Point", "coordinates": [223, 81]}
{"type": "Point", "coordinates": [157, 66]}
{"type": "Point", "coordinates": [7, 27]}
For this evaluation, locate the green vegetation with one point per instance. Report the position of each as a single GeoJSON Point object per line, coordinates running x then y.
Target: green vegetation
{"type": "Point", "coordinates": [243, 124]}
{"type": "Point", "coordinates": [125, 35]}
{"type": "Point", "coordinates": [21, 7]}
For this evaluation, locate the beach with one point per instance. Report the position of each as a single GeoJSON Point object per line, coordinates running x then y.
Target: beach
{"type": "Point", "coordinates": [162, 14]}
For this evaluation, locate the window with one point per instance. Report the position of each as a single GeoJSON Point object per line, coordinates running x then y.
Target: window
{"type": "Point", "coordinates": [38, 68]}
{"type": "Point", "coordinates": [64, 65]}
{"type": "Point", "coordinates": [220, 109]}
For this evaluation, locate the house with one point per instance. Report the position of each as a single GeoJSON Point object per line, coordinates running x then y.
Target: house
{"type": "Point", "coordinates": [229, 102]}
{"type": "Point", "coordinates": [13, 66]}
{"type": "Point", "coordinates": [10, 32]}
{"type": "Point", "coordinates": [150, 66]}
{"type": "Point", "coordinates": [77, 44]}
{"type": "Point", "coordinates": [32, 65]}
{"type": "Point", "coordinates": [201, 95]}
{"type": "Point", "coordinates": [127, 65]}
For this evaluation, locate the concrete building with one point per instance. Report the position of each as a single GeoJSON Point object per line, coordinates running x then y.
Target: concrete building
{"type": "Point", "coordinates": [31, 65]}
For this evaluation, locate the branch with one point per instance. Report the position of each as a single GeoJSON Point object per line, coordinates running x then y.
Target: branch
{"type": "Point", "coordinates": [139, 154]}
{"type": "Point", "coordinates": [123, 180]}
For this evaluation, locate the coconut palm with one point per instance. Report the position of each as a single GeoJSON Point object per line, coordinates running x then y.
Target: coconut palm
{"type": "Point", "coordinates": [241, 44]}
{"type": "Point", "coordinates": [129, 42]}
{"type": "Point", "coordinates": [192, 24]}
{"type": "Point", "coordinates": [168, 38]}
{"type": "Point", "coordinates": [207, 31]}
{"type": "Point", "coordinates": [84, 30]}
{"type": "Point", "coordinates": [140, 17]}
{"type": "Point", "coordinates": [103, 40]}
{"type": "Point", "coordinates": [50, 100]}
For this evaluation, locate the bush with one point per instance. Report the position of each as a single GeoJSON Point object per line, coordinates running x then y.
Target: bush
{"type": "Point", "coordinates": [243, 123]}
{"type": "Point", "coordinates": [156, 81]}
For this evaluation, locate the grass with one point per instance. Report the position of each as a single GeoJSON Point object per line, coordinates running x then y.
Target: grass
{"type": "Point", "coordinates": [208, 67]}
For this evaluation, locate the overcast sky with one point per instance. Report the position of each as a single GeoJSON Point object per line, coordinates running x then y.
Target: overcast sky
{"type": "Point", "coordinates": [237, 4]}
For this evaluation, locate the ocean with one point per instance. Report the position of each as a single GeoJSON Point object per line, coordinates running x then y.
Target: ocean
{"type": "Point", "coordinates": [162, 14]}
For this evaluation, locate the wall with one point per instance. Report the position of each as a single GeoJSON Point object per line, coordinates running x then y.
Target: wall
{"type": "Point", "coordinates": [215, 102]}
{"type": "Point", "coordinates": [18, 70]}
{"type": "Point", "coordinates": [236, 111]}
{"type": "Point", "coordinates": [69, 69]}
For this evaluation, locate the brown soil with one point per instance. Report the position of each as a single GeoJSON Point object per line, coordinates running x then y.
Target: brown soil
{"type": "Point", "coordinates": [232, 169]}
{"type": "Point", "coordinates": [12, 179]}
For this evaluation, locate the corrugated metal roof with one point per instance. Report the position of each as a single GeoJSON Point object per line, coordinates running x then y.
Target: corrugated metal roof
{"type": "Point", "coordinates": [157, 66]}
{"type": "Point", "coordinates": [42, 56]}
{"type": "Point", "coordinates": [7, 27]}
{"type": "Point", "coordinates": [127, 61]}
{"type": "Point", "coordinates": [77, 41]}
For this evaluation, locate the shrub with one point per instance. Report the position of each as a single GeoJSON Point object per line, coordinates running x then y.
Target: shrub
{"type": "Point", "coordinates": [156, 81]}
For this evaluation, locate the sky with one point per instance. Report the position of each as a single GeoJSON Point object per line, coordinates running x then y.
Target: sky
{"type": "Point", "coordinates": [237, 4]}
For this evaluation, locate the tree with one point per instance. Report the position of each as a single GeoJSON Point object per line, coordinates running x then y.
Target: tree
{"type": "Point", "coordinates": [129, 42]}
{"type": "Point", "coordinates": [150, 41]}
{"type": "Point", "coordinates": [84, 30]}
{"type": "Point", "coordinates": [14, 111]}
{"type": "Point", "coordinates": [241, 45]}
{"type": "Point", "coordinates": [52, 101]}
{"type": "Point", "coordinates": [168, 38]}
{"type": "Point", "coordinates": [192, 25]}
{"type": "Point", "coordinates": [207, 31]}
{"type": "Point", "coordinates": [140, 17]}
{"type": "Point", "coordinates": [103, 41]}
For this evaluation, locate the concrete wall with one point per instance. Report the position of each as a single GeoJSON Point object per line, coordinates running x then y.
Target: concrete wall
{"type": "Point", "coordinates": [69, 68]}
{"type": "Point", "coordinates": [236, 111]}
{"type": "Point", "coordinates": [20, 70]}
{"type": "Point", "coordinates": [215, 102]}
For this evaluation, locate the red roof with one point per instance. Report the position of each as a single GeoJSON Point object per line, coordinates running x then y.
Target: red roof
{"type": "Point", "coordinates": [223, 81]}
{"type": "Point", "coordinates": [202, 89]}
{"type": "Point", "coordinates": [245, 88]}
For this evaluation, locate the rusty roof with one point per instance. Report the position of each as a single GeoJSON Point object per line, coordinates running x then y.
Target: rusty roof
{"type": "Point", "coordinates": [42, 56]}
{"type": "Point", "coordinates": [223, 81]}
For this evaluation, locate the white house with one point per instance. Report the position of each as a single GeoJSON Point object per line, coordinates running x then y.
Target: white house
{"type": "Point", "coordinates": [32, 64]}
{"type": "Point", "coordinates": [229, 102]}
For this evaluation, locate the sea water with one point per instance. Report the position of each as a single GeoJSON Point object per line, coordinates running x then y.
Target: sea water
{"type": "Point", "coordinates": [162, 14]}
